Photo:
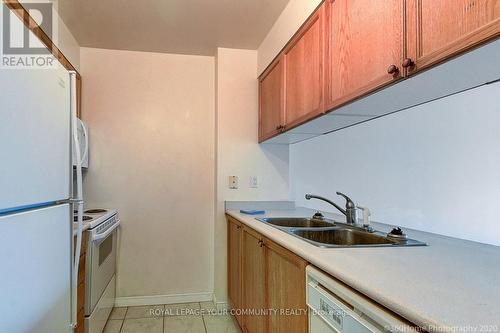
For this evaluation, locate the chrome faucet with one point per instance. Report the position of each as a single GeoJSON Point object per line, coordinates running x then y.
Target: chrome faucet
{"type": "Point", "coordinates": [350, 207]}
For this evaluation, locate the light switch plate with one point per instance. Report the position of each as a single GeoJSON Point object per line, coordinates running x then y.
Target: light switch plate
{"type": "Point", "coordinates": [233, 182]}
{"type": "Point", "coordinates": [253, 182]}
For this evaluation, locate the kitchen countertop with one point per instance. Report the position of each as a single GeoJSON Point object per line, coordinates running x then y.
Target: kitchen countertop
{"type": "Point", "coordinates": [452, 285]}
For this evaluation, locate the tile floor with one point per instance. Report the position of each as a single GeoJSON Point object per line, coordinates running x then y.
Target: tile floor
{"type": "Point", "coordinates": [170, 318]}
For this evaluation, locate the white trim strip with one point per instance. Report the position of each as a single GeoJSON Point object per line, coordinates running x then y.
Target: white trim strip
{"type": "Point", "coordinates": [220, 305]}
{"type": "Point", "coordinates": [163, 299]}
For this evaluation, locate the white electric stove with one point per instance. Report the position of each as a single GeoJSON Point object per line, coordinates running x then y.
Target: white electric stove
{"type": "Point", "coordinates": [100, 266]}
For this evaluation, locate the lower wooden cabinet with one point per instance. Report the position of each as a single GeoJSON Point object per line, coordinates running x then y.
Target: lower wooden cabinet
{"type": "Point", "coordinates": [234, 242]}
{"type": "Point", "coordinates": [286, 289]}
{"type": "Point", "coordinates": [80, 306]}
{"type": "Point", "coordinates": [253, 282]}
{"type": "Point", "coordinates": [266, 283]}
{"type": "Point", "coordinates": [81, 287]}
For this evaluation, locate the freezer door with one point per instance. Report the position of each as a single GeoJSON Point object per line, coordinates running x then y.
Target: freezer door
{"type": "Point", "coordinates": [35, 278]}
{"type": "Point", "coordinates": [34, 137]}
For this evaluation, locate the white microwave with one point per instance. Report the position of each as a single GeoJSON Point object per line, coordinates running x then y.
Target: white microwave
{"type": "Point", "coordinates": [83, 142]}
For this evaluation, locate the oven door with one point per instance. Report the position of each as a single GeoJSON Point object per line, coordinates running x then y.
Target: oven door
{"type": "Point", "coordinates": [101, 263]}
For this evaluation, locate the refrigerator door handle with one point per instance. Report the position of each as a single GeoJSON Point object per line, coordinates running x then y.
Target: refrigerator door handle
{"type": "Point", "coordinates": [85, 134]}
{"type": "Point", "coordinates": [78, 199]}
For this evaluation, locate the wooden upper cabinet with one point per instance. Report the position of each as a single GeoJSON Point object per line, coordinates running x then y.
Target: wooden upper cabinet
{"type": "Point", "coordinates": [304, 71]}
{"type": "Point", "coordinates": [253, 281]}
{"type": "Point", "coordinates": [365, 42]}
{"type": "Point", "coordinates": [349, 48]}
{"type": "Point", "coordinates": [271, 101]}
{"type": "Point", "coordinates": [440, 29]}
{"type": "Point", "coordinates": [286, 285]}
{"type": "Point", "coordinates": [234, 235]}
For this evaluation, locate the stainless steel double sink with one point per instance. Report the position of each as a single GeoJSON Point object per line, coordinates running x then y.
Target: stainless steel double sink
{"type": "Point", "coordinates": [331, 234]}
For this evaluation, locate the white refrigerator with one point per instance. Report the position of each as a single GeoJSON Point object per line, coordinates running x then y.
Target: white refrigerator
{"type": "Point", "coordinates": [37, 265]}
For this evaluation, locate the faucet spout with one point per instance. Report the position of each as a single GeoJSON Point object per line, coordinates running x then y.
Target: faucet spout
{"type": "Point", "coordinates": [350, 207]}
{"type": "Point", "coordinates": [312, 196]}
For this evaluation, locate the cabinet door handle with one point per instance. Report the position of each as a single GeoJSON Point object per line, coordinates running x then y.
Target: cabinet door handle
{"type": "Point", "coordinates": [393, 69]}
{"type": "Point", "coordinates": [280, 128]}
{"type": "Point", "coordinates": [238, 227]}
{"type": "Point", "coordinates": [407, 62]}
{"type": "Point", "coordinates": [261, 243]}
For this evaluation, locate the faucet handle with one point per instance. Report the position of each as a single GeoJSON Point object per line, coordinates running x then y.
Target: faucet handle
{"type": "Point", "coordinates": [366, 216]}
{"type": "Point", "coordinates": [318, 215]}
{"type": "Point", "coordinates": [349, 202]}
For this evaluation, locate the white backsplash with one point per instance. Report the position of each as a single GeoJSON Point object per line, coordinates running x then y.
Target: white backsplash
{"type": "Point", "coordinates": [435, 167]}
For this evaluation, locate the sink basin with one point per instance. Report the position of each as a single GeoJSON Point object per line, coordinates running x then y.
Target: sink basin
{"type": "Point", "coordinates": [297, 222]}
{"type": "Point", "coordinates": [328, 233]}
{"type": "Point", "coordinates": [342, 237]}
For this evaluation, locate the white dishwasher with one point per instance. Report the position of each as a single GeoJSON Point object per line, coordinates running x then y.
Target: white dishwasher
{"type": "Point", "coordinates": [334, 307]}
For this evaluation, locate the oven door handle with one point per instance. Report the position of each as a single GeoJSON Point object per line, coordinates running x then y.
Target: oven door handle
{"type": "Point", "coordinates": [96, 238]}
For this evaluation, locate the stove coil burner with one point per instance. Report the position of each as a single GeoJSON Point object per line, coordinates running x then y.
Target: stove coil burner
{"type": "Point", "coordinates": [95, 211]}
{"type": "Point", "coordinates": [85, 218]}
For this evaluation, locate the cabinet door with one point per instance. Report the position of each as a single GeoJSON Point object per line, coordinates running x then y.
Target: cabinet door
{"type": "Point", "coordinates": [304, 66]}
{"type": "Point", "coordinates": [234, 264]}
{"type": "Point", "coordinates": [440, 29]}
{"type": "Point", "coordinates": [271, 101]}
{"type": "Point", "coordinates": [253, 281]}
{"type": "Point", "coordinates": [364, 49]}
{"type": "Point", "coordinates": [286, 288]}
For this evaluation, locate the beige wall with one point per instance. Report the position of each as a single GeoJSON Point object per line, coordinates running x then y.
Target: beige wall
{"type": "Point", "coordinates": [140, 132]}
{"type": "Point", "coordinates": [238, 152]}
{"type": "Point", "coordinates": [151, 119]}
{"type": "Point", "coordinates": [290, 20]}
{"type": "Point", "coordinates": [67, 43]}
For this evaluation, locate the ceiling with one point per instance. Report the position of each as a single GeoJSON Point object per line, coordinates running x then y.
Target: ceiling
{"type": "Point", "coordinates": [170, 26]}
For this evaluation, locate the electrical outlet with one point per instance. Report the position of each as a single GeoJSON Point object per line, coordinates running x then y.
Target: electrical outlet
{"type": "Point", "coordinates": [253, 183]}
{"type": "Point", "coordinates": [233, 182]}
